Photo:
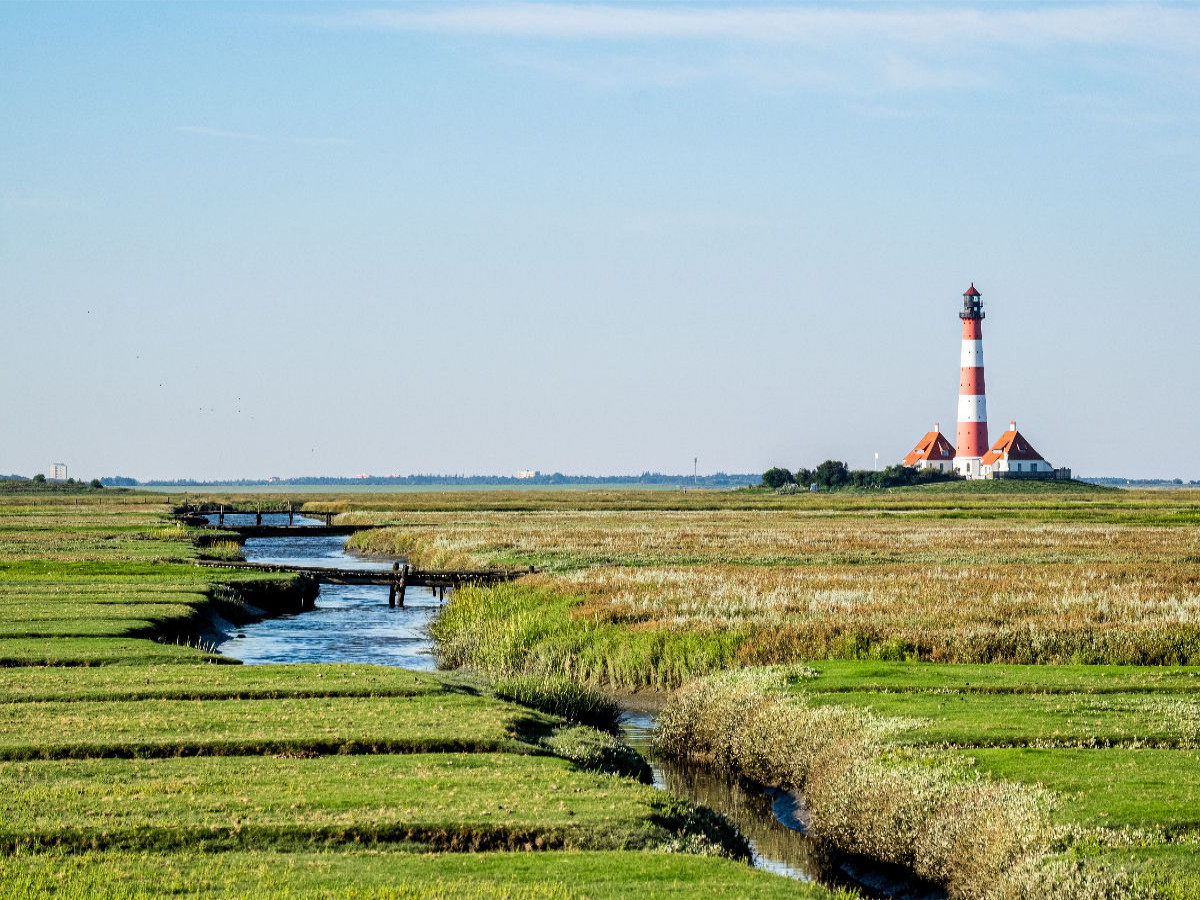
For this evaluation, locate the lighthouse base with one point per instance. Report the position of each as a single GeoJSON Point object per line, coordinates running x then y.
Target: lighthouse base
{"type": "Point", "coordinates": [969, 467]}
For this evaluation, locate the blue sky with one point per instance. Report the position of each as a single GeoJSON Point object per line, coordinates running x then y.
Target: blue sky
{"type": "Point", "coordinates": [332, 238]}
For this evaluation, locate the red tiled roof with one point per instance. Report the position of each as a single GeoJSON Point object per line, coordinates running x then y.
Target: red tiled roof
{"type": "Point", "coordinates": [1012, 445]}
{"type": "Point", "coordinates": [931, 447]}
{"type": "Point", "coordinates": [971, 292]}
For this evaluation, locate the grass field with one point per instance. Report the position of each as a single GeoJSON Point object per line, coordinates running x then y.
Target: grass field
{"type": "Point", "coordinates": [131, 764]}
{"type": "Point", "coordinates": [375, 875]}
{"type": "Point", "coordinates": [1022, 659]}
{"type": "Point", "coordinates": [945, 574]}
{"type": "Point", "coordinates": [993, 684]}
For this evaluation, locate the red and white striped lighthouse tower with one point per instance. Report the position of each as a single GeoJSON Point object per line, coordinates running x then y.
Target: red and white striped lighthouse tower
{"type": "Point", "coordinates": [972, 440]}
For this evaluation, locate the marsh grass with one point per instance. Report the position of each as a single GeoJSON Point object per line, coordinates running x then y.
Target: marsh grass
{"type": "Point", "coordinates": [562, 697]}
{"type": "Point", "coordinates": [526, 629]}
{"type": "Point", "coordinates": [1081, 720]}
{"type": "Point", "coordinates": [1012, 577]}
{"type": "Point", "coordinates": [228, 550]}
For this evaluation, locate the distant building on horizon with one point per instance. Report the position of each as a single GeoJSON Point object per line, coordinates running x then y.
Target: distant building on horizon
{"type": "Point", "coordinates": [528, 473]}
{"type": "Point", "coordinates": [1012, 456]}
{"type": "Point", "coordinates": [58, 472]}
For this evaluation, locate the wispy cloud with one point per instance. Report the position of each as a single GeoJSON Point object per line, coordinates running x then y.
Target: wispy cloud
{"type": "Point", "coordinates": [1096, 24]}
{"type": "Point", "coordinates": [262, 138]}
{"type": "Point", "coordinates": [854, 47]}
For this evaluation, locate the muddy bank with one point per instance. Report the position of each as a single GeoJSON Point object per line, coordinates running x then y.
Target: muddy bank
{"type": "Point", "coordinates": [233, 605]}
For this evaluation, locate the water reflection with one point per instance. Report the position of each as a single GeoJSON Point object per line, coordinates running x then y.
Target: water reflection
{"type": "Point", "coordinates": [775, 846]}
{"type": "Point", "coordinates": [351, 623]}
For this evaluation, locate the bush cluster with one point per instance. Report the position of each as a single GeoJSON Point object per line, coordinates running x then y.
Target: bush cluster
{"type": "Point", "coordinates": [833, 475]}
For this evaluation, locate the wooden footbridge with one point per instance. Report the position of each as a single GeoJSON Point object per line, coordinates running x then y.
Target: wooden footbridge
{"type": "Point", "coordinates": [397, 578]}
{"type": "Point", "coordinates": [197, 515]}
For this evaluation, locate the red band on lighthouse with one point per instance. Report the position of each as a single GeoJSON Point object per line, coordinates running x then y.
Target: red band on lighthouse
{"type": "Point", "coordinates": [972, 440]}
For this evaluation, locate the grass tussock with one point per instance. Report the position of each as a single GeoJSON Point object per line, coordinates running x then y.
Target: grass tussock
{"type": "Point", "coordinates": [564, 698]}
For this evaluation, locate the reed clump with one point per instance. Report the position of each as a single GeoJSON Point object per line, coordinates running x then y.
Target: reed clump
{"type": "Point", "coordinates": [980, 838]}
{"type": "Point", "coordinates": [562, 697]}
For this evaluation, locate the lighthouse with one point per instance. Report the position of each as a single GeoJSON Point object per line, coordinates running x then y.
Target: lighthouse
{"type": "Point", "coordinates": [972, 441]}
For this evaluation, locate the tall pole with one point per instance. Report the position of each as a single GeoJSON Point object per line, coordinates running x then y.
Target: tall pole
{"type": "Point", "coordinates": [972, 440]}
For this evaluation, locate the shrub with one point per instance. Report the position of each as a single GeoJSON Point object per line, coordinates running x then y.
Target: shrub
{"type": "Point", "coordinates": [776, 478]}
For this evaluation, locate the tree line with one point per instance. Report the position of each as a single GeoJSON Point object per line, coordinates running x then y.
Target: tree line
{"type": "Point", "coordinates": [833, 475]}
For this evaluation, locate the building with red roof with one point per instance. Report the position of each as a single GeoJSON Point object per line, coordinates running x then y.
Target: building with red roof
{"type": "Point", "coordinates": [932, 452]}
{"type": "Point", "coordinates": [1012, 455]}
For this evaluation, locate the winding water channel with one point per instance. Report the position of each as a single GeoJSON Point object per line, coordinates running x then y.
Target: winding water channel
{"type": "Point", "coordinates": [354, 624]}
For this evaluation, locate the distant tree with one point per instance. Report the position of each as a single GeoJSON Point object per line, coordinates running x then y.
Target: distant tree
{"type": "Point", "coordinates": [832, 474]}
{"type": "Point", "coordinates": [776, 478]}
{"type": "Point", "coordinates": [39, 478]}
{"type": "Point", "coordinates": [95, 482]}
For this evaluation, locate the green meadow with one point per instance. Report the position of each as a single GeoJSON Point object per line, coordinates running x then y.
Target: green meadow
{"type": "Point", "coordinates": [136, 763]}
{"type": "Point", "coordinates": [358, 874]}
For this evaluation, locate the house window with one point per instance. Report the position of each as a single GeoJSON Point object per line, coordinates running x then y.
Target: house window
{"type": "Point", "coordinates": [1018, 467]}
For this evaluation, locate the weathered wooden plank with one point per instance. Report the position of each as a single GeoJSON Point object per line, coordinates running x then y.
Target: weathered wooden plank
{"type": "Point", "coordinates": [437, 578]}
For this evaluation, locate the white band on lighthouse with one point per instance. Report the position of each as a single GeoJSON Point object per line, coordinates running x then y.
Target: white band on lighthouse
{"type": "Point", "coordinates": [972, 354]}
{"type": "Point", "coordinates": [972, 408]}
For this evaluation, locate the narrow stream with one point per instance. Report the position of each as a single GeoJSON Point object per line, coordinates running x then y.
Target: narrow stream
{"type": "Point", "coordinates": [353, 623]}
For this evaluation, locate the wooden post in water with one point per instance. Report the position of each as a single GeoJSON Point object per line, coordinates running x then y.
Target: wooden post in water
{"type": "Point", "coordinates": [403, 580]}
{"type": "Point", "coordinates": [392, 586]}
{"type": "Point", "coordinates": [329, 521]}
{"type": "Point", "coordinates": [258, 516]}
{"type": "Point", "coordinates": [221, 515]}
{"type": "Point", "coordinates": [290, 512]}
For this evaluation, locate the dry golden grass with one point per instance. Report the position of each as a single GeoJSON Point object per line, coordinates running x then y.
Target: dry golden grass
{"type": "Point", "coordinates": [844, 583]}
